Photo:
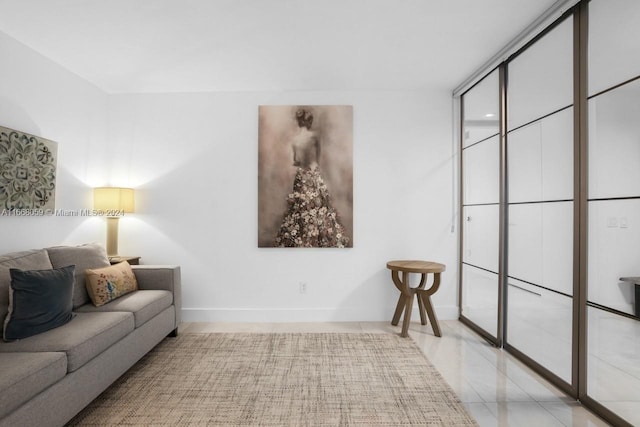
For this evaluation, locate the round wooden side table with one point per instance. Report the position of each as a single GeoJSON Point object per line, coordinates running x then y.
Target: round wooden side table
{"type": "Point", "coordinates": [405, 302]}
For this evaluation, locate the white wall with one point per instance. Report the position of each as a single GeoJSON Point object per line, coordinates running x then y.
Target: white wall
{"type": "Point", "coordinates": [193, 160]}
{"type": "Point", "coordinates": [41, 98]}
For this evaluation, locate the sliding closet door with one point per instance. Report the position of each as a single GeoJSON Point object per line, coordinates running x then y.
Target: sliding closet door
{"type": "Point", "coordinates": [480, 204]}
{"type": "Point", "coordinates": [550, 215]}
{"type": "Point", "coordinates": [540, 202]}
{"type": "Point", "coordinates": [613, 340]}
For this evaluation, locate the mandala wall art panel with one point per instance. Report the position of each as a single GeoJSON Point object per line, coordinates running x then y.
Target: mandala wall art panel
{"type": "Point", "coordinates": [27, 171]}
{"type": "Point", "coordinates": [305, 176]}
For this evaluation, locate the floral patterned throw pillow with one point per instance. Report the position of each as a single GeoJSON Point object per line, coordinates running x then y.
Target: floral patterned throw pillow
{"type": "Point", "coordinates": [108, 283]}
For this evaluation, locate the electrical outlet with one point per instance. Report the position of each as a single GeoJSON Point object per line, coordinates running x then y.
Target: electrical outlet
{"type": "Point", "coordinates": [303, 287]}
{"type": "Point", "coordinates": [612, 222]}
{"type": "Point", "coordinates": [624, 223]}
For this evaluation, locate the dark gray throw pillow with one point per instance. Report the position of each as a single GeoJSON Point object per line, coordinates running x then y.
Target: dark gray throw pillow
{"type": "Point", "coordinates": [39, 300]}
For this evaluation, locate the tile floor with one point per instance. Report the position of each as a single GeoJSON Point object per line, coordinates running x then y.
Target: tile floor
{"type": "Point", "coordinates": [539, 325]}
{"type": "Point", "coordinates": [495, 387]}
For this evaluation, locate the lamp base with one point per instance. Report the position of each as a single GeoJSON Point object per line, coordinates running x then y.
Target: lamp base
{"type": "Point", "coordinates": [112, 237]}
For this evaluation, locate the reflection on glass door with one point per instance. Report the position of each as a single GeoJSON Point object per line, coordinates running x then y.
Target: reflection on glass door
{"type": "Point", "coordinates": [480, 204]}
{"type": "Point", "coordinates": [540, 201]}
{"type": "Point", "coordinates": [613, 306]}
{"type": "Point", "coordinates": [561, 226]}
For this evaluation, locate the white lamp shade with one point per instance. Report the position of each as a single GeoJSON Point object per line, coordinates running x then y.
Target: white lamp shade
{"type": "Point", "coordinates": [113, 199]}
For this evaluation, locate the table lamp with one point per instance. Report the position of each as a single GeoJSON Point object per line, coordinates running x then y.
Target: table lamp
{"type": "Point", "coordinates": [113, 202]}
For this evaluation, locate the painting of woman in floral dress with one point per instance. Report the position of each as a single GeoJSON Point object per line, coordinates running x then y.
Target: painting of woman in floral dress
{"type": "Point", "coordinates": [305, 177]}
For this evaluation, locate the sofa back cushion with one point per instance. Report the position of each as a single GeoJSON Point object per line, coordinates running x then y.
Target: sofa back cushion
{"type": "Point", "coordinates": [39, 300]}
{"type": "Point", "coordinates": [83, 257]}
{"type": "Point", "coordinates": [36, 259]}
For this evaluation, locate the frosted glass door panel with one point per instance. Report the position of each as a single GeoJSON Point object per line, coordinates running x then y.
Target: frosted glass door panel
{"type": "Point", "coordinates": [557, 156]}
{"type": "Point", "coordinates": [614, 143]}
{"type": "Point", "coordinates": [525, 163]}
{"type": "Point", "coordinates": [557, 246]}
{"type": "Point", "coordinates": [541, 159]}
{"type": "Point", "coordinates": [481, 236]}
{"type": "Point", "coordinates": [539, 324]}
{"type": "Point", "coordinates": [482, 172]}
{"type": "Point", "coordinates": [541, 78]}
{"type": "Point", "coordinates": [525, 242]}
{"type": "Point", "coordinates": [614, 43]}
{"type": "Point", "coordinates": [480, 297]}
{"type": "Point", "coordinates": [481, 105]}
{"type": "Point", "coordinates": [541, 244]}
{"type": "Point", "coordinates": [614, 252]}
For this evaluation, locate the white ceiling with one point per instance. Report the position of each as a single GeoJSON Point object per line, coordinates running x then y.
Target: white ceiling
{"type": "Point", "coordinates": [260, 45]}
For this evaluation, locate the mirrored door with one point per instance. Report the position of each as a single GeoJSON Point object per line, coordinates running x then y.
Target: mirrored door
{"type": "Point", "coordinates": [550, 206]}
{"type": "Point", "coordinates": [613, 297]}
{"type": "Point", "coordinates": [540, 202]}
{"type": "Point", "coordinates": [480, 205]}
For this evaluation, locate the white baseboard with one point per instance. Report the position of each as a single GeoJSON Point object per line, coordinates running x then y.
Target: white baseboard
{"type": "Point", "coordinates": [278, 315]}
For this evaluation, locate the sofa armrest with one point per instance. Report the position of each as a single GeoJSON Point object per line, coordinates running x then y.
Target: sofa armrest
{"type": "Point", "coordinates": [161, 277]}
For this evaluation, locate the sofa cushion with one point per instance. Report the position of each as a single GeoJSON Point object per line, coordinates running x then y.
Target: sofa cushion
{"type": "Point", "coordinates": [143, 304]}
{"type": "Point", "coordinates": [83, 338]}
{"type": "Point", "coordinates": [36, 259]}
{"type": "Point", "coordinates": [39, 300]}
{"type": "Point", "coordinates": [83, 257]}
{"type": "Point", "coordinates": [109, 283]}
{"type": "Point", "coordinates": [24, 375]}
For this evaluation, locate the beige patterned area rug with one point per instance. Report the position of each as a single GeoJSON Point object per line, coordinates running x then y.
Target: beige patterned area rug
{"type": "Point", "coordinates": [280, 379]}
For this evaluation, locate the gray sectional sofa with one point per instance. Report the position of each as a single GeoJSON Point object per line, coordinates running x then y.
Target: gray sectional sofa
{"type": "Point", "coordinates": [46, 379]}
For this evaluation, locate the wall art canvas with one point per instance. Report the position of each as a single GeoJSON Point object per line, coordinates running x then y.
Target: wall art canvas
{"type": "Point", "coordinates": [305, 176]}
{"type": "Point", "coordinates": [27, 171]}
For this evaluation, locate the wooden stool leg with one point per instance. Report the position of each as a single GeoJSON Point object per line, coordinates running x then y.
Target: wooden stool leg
{"type": "Point", "coordinates": [426, 299]}
{"type": "Point", "coordinates": [399, 308]}
{"type": "Point", "coordinates": [423, 314]}
{"type": "Point", "coordinates": [407, 316]}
